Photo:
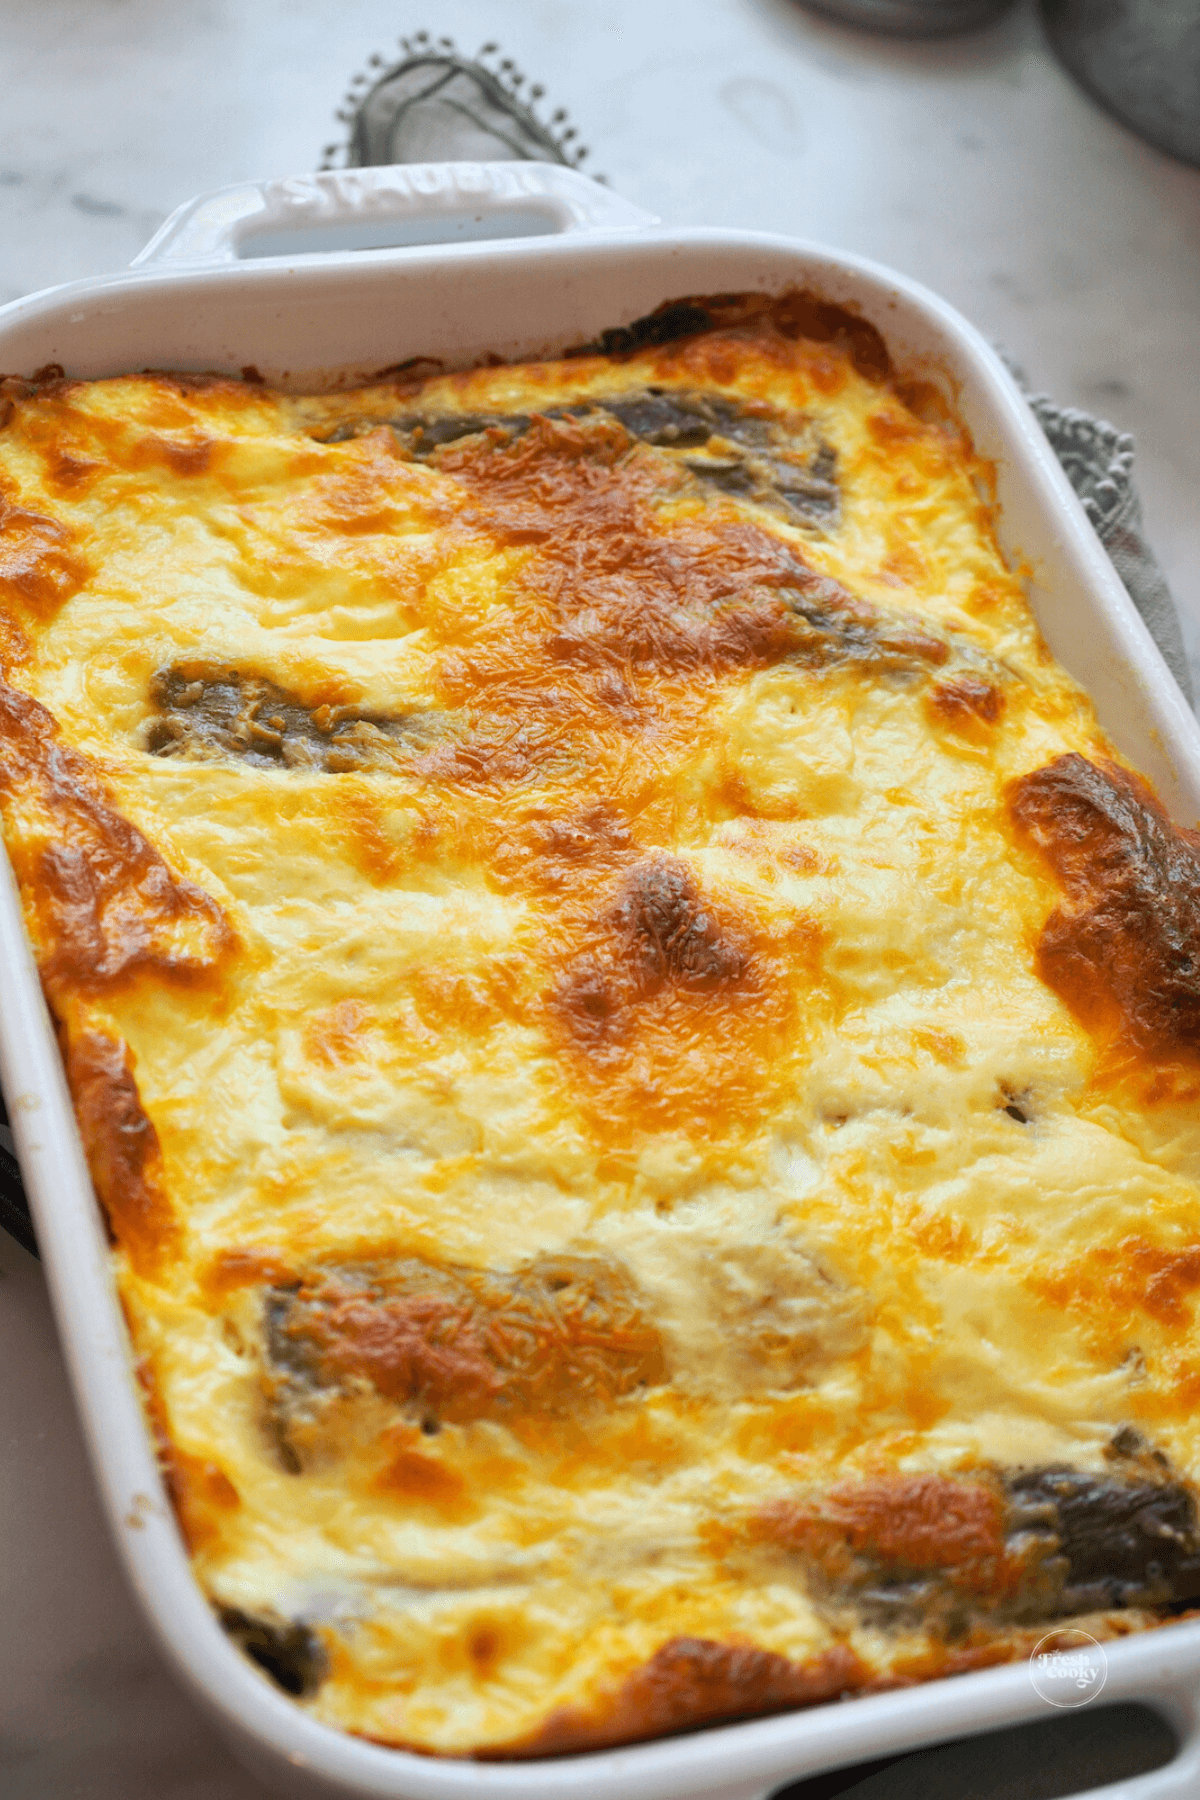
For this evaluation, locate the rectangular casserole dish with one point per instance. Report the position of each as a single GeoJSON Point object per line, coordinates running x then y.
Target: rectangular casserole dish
{"type": "Point", "coordinates": [545, 260]}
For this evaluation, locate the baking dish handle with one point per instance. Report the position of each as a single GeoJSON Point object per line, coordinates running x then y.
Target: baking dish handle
{"type": "Point", "coordinates": [400, 206]}
{"type": "Point", "coordinates": [1179, 1780]}
{"type": "Point", "coordinates": [1177, 1701]}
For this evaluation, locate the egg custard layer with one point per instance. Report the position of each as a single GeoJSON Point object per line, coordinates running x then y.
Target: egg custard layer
{"type": "Point", "coordinates": [638, 1044]}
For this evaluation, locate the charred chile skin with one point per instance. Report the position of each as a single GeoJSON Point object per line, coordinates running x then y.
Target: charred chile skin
{"type": "Point", "coordinates": [291, 1654]}
{"type": "Point", "coordinates": [1128, 934]}
{"type": "Point", "coordinates": [204, 713]}
{"type": "Point", "coordinates": [1117, 1541]}
{"type": "Point", "coordinates": [750, 451]}
{"type": "Point", "coordinates": [946, 1553]}
{"type": "Point", "coordinates": [798, 313]}
{"type": "Point", "coordinates": [452, 1345]}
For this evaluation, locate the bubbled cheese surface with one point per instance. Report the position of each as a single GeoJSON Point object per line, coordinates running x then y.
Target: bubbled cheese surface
{"type": "Point", "coordinates": [858, 1177]}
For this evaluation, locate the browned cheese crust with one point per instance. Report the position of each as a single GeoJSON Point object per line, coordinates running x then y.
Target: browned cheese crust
{"type": "Point", "coordinates": [638, 1046]}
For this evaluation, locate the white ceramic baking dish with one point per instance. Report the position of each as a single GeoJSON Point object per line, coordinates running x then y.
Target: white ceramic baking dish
{"type": "Point", "coordinates": [323, 279]}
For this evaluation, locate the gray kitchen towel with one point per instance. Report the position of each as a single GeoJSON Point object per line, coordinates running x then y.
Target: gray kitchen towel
{"type": "Point", "coordinates": [1098, 460]}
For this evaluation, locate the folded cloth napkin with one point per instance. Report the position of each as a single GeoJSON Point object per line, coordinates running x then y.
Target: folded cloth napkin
{"type": "Point", "coordinates": [436, 105]}
{"type": "Point", "coordinates": [1098, 460]}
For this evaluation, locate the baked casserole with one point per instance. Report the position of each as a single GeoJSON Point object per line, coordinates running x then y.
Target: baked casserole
{"type": "Point", "coordinates": [638, 1045]}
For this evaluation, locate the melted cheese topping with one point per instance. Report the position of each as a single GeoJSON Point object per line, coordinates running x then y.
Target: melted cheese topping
{"type": "Point", "coordinates": [589, 1137]}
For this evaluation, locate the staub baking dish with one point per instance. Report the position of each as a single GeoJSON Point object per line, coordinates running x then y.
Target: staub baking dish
{"type": "Point", "coordinates": [319, 281]}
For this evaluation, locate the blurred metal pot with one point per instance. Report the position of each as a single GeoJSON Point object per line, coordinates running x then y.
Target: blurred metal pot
{"type": "Point", "coordinates": [1140, 59]}
{"type": "Point", "coordinates": [911, 18]}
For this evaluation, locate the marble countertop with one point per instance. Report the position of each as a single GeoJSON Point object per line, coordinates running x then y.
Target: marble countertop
{"type": "Point", "coordinates": [973, 165]}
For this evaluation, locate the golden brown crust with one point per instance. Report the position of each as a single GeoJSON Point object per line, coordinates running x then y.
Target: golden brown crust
{"type": "Point", "coordinates": [900, 1525]}
{"type": "Point", "coordinates": [659, 933]}
{"type": "Point", "coordinates": [105, 900]}
{"type": "Point", "coordinates": [1115, 1287]}
{"type": "Point", "coordinates": [424, 1482]}
{"type": "Point", "coordinates": [615, 592]}
{"type": "Point", "coordinates": [1128, 941]}
{"type": "Point", "coordinates": [562, 1334]}
{"type": "Point", "coordinates": [40, 566]}
{"type": "Point", "coordinates": [621, 592]}
{"type": "Point", "coordinates": [234, 1268]}
{"type": "Point", "coordinates": [966, 702]}
{"type": "Point", "coordinates": [122, 1148]}
{"type": "Point", "coordinates": [798, 313]}
{"type": "Point", "coordinates": [689, 1683]}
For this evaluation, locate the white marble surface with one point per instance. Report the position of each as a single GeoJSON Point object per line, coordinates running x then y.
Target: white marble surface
{"type": "Point", "coordinates": [973, 165]}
